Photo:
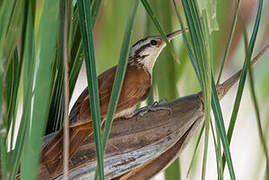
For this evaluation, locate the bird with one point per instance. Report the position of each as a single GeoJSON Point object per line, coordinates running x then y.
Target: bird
{"type": "Point", "coordinates": [136, 88]}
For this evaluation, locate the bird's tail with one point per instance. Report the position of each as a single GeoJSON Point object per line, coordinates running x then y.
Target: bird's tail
{"type": "Point", "coordinates": [52, 153]}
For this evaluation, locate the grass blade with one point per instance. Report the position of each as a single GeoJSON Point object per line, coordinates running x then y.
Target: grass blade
{"type": "Point", "coordinates": [258, 119]}
{"type": "Point", "coordinates": [188, 46]}
{"type": "Point", "coordinates": [95, 9]}
{"type": "Point", "coordinates": [173, 171]}
{"type": "Point", "coordinates": [76, 54]}
{"type": "Point", "coordinates": [205, 148]}
{"type": "Point", "coordinates": [56, 112]}
{"type": "Point", "coordinates": [28, 75]}
{"type": "Point", "coordinates": [11, 13]}
{"type": "Point", "coordinates": [218, 152]}
{"type": "Point", "coordinates": [159, 27]}
{"type": "Point", "coordinates": [24, 58]}
{"type": "Point", "coordinates": [243, 76]}
{"type": "Point", "coordinates": [86, 29]}
{"type": "Point", "coordinates": [3, 150]}
{"type": "Point", "coordinates": [119, 77]}
{"type": "Point", "coordinates": [166, 89]}
{"type": "Point", "coordinates": [195, 149]}
{"type": "Point", "coordinates": [229, 42]}
{"type": "Point", "coordinates": [76, 57]}
{"type": "Point", "coordinates": [209, 50]}
{"type": "Point", "coordinates": [221, 129]}
{"type": "Point", "coordinates": [255, 104]}
{"type": "Point", "coordinates": [55, 120]}
{"type": "Point", "coordinates": [44, 56]}
{"type": "Point", "coordinates": [202, 54]}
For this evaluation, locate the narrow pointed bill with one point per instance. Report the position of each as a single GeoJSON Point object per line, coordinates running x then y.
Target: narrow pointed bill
{"type": "Point", "coordinates": [174, 34]}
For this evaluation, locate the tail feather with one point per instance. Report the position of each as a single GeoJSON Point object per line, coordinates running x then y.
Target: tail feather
{"type": "Point", "coordinates": [52, 153]}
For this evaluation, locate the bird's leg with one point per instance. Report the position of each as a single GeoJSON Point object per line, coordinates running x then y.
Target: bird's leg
{"type": "Point", "coordinates": [157, 103]}
{"type": "Point", "coordinates": [142, 111]}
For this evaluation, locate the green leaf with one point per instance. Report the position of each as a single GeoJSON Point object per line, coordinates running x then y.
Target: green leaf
{"type": "Point", "coordinates": [167, 89]}
{"type": "Point", "coordinates": [258, 119]}
{"type": "Point", "coordinates": [210, 6]}
{"type": "Point", "coordinates": [221, 129]}
{"type": "Point", "coordinates": [243, 76]}
{"type": "Point", "coordinates": [159, 27]}
{"type": "Point", "coordinates": [228, 45]}
{"type": "Point", "coordinates": [11, 14]}
{"type": "Point", "coordinates": [76, 55]}
{"type": "Point", "coordinates": [173, 171]}
{"type": "Point", "coordinates": [187, 44]}
{"type": "Point", "coordinates": [209, 51]}
{"type": "Point", "coordinates": [3, 150]}
{"type": "Point", "coordinates": [76, 58]}
{"type": "Point", "coordinates": [75, 62]}
{"type": "Point", "coordinates": [119, 77]}
{"type": "Point", "coordinates": [195, 149]}
{"type": "Point", "coordinates": [28, 75]}
{"type": "Point", "coordinates": [202, 59]}
{"type": "Point", "coordinates": [218, 152]}
{"type": "Point", "coordinates": [86, 30]}
{"type": "Point", "coordinates": [44, 56]}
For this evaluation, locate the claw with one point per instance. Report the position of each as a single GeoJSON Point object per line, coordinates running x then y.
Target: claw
{"type": "Point", "coordinates": [156, 103]}
{"type": "Point", "coordinates": [154, 107]}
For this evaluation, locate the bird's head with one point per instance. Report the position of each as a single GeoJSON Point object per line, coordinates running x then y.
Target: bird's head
{"type": "Point", "coordinates": [146, 51]}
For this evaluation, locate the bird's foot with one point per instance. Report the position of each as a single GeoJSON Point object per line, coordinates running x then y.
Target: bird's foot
{"type": "Point", "coordinates": [142, 111]}
{"type": "Point", "coordinates": [157, 103]}
{"type": "Point", "coordinates": [154, 107]}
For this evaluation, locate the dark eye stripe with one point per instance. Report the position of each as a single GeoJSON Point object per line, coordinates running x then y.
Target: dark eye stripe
{"type": "Point", "coordinates": [141, 49]}
{"type": "Point", "coordinates": [140, 41]}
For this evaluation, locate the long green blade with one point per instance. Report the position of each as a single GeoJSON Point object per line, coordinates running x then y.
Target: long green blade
{"type": "Point", "coordinates": [87, 37]}
{"type": "Point", "coordinates": [27, 77]}
{"type": "Point", "coordinates": [220, 128]}
{"type": "Point", "coordinates": [258, 120]}
{"type": "Point", "coordinates": [166, 89]}
{"type": "Point", "coordinates": [188, 46]}
{"type": "Point", "coordinates": [44, 56]}
{"type": "Point", "coordinates": [195, 149]}
{"type": "Point", "coordinates": [202, 58]}
{"type": "Point", "coordinates": [229, 42]}
{"type": "Point", "coordinates": [158, 27]}
{"type": "Point", "coordinates": [76, 58]}
{"type": "Point", "coordinates": [119, 77]}
{"type": "Point", "coordinates": [243, 76]}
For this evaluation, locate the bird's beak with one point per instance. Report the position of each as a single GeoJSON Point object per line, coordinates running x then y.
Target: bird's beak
{"type": "Point", "coordinates": [174, 34]}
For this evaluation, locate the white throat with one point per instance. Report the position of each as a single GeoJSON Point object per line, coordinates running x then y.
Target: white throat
{"type": "Point", "coordinates": [150, 60]}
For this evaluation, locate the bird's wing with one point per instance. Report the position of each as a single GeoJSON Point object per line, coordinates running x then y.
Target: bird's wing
{"type": "Point", "coordinates": [80, 112]}
{"type": "Point", "coordinates": [135, 88]}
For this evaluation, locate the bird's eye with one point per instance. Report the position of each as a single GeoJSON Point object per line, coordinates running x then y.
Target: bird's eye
{"type": "Point", "coordinates": [153, 42]}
